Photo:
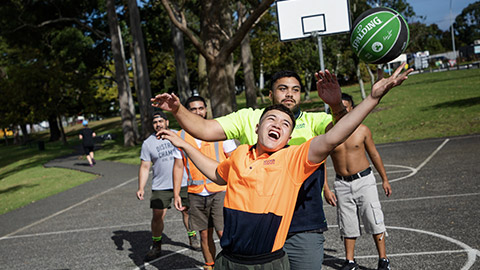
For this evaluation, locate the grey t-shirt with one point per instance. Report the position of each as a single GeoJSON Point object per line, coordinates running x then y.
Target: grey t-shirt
{"type": "Point", "coordinates": [161, 154]}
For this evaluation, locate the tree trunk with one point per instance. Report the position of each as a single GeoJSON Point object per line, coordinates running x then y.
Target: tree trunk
{"type": "Point", "coordinates": [54, 131]}
{"type": "Point", "coordinates": [24, 133]}
{"type": "Point", "coordinates": [144, 93]}
{"type": "Point", "coordinates": [218, 82]}
{"type": "Point", "coordinates": [372, 76]}
{"type": "Point", "coordinates": [62, 131]}
{"type": "Point", "coordinates": [203, 83]}
{"type": "Point", "coordinates": [308, 84]}
{"type": "Point", "coordinates": [121, 76]}
{"type": "Point", "coordinates": [247, 63]}
{"type": "Point", "coordinates": [215, 32]}
{"type": "Point", "coordinates": [360, 81]}
{"type": "Point", "coordinates": [181, 69]}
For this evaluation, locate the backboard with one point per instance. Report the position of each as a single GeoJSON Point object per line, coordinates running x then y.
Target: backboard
{"type": "Point", "coordinates": [301, 18]}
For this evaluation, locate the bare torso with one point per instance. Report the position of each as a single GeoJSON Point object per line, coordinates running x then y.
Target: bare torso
{"type": "Point", "coordinates": [350, 157]}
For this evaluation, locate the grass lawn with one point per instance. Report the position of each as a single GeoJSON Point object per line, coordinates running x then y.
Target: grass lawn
{"type": "Point", "coordinates": [24, 180]}
{"type": "Point", "coordinates": [428, 105]}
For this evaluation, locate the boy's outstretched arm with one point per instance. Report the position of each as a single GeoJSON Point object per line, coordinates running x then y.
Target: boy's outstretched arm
{"type": "Point", "coordinates": [322, 145]}
{"type": "Point", "coordinates": [197, 126]}
{"type": "Point", "coordinates": [205, 164]}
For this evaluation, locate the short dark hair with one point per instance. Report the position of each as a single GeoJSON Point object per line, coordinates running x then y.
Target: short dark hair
{"type": "Point", "coordinates": [159, 114]}
{"type": "Point", "coordinates": [285, 74]}
{"type": "Point", "coordinates": [348, 98]}
{"type": "Point", "coordinates": [282, 108]}
{"type": "Point", "coordinates": [193, 99]}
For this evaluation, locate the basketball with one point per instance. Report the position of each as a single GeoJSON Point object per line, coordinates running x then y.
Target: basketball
{"type": "Point", "coordinates": [379, 35]}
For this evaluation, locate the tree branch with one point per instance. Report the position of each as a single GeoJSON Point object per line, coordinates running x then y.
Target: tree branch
{"type": "Point", "coordinates": [184, 28]}
{"type": "Point", "coordinates": [244, 29]}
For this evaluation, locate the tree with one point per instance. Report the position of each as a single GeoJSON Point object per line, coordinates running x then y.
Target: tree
{"type": "Point", "coordinates": [127, 109]}
{"type": "Point", "coordinates": [216, 44]}
{"type": "Point", "coordinates": [144, 93]}
{"type": "Point", "coordinates": [466, 24]}
{"type": "Point", "coordinates": [52, 58]}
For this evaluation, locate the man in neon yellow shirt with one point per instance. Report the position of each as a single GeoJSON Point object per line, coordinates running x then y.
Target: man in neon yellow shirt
{"type": "Point", "coordinates": [304, 244]}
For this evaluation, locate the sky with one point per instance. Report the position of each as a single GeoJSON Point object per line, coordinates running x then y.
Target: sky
{"type": "Point", "coordinates": [438, 11]}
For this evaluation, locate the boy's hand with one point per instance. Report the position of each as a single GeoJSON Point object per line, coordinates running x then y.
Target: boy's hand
{"type": "Point", "coordinates": [172, 137]}
{"type": "Point", "coordinates": [328, 88]}
{"type": "Point", "coordinates": [330, 197]}
{"type": "Point", "coordinates": [383, 85]}
{"type": "Point", "coordinates": [166, 102]}
{"type": "Point", "coordinates": [387, 188]}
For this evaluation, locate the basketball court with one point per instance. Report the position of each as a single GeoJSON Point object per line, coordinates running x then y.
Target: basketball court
{"type": "Point", "coordinates": [431, 218]}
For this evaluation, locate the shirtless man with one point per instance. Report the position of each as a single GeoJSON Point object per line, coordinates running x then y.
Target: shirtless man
{"type": "Point", "coordinates": [356, 191]}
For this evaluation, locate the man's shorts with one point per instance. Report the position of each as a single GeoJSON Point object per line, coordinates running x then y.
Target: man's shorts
{"type": "Point", "coordinates": [162, 199]}
{"type": "Point", "coordinates": [206, 211]}
{"type": "Point", "coordinates": [358, 199]}
{"type": "Point", "coordinates": [87, 149]}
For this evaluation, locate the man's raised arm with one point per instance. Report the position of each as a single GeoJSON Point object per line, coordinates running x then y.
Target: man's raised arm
{"type": "Point", "coordinates": [198, 127]}
{"type": "Point", "coordinates": [321, 145]}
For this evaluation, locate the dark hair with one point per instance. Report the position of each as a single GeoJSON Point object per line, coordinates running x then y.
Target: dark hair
{"type": "Point", "coordinates": [159, 114]}
{"type": "Point", "coordinates": [282, 108]}
{"type": "Point", "coordinates": [193, 99]}
{"type": "Point", "coordinates": [285, 74]}
{"type": "Point", "coordinates": [348, 98]}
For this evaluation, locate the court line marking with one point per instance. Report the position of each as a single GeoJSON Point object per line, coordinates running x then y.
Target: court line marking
{"type": "Point", "coordinates": [471, 252]}
{"type": "Point", "coordinates": [405, 254]}
{"type": "Point", "coordinates": [68, 208]}
{"type": "Point", "coordinates": [431, 197]}
{"type": "Point", "coordinates": [179, 220]}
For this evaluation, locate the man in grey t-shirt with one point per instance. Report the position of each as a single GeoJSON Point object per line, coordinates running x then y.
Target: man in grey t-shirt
{"type": "Point", "coordinates": [161, 154]}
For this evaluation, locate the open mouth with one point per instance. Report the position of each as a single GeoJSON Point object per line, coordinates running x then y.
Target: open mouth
{"type": "Point", "coordinates": [274, 134]}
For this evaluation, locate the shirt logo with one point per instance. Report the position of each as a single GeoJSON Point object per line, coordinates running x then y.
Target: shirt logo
{"type": "Point", "coordinates": [299, 126]}
{"type": "Point", "coordinates": [269, 162]}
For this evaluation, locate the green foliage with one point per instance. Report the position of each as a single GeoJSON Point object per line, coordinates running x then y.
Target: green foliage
{"type": "Point", "coordinates": [466, 24]}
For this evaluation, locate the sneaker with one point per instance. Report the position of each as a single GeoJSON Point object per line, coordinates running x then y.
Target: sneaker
{"type": "Point", "coordinates": [384, 264]}
{"type": "Point", "coordinates": [348, 265]}
{"type": "Point", "coordinates": [91, 165]}
{"type": "Point", "coordinates": [94, 162]}
{"type": "Point", "coordinates": [154, 252]}
{"type": "Point", "coordinates": [194, 243]}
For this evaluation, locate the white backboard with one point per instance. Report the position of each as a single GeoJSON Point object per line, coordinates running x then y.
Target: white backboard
{"type": "Point", "coordinates": [301, 18]}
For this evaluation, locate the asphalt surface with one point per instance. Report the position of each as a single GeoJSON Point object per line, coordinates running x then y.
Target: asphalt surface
{"type": "Point", "coordinates": [432, 217]}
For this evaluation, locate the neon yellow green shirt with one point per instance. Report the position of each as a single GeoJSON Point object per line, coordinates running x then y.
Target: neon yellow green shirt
{"type": "Point", "coordinates": [241, 125]}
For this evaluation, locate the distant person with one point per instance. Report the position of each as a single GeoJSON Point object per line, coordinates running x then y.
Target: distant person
{"type": "Point", "coordinates": [87, 135]}
{"type": "Point", "coordinates": [356, 191]}
{"type": "Point", "coordinates": [263, 180]}
{"type": "Point", "coordinates": [305, 240]}
{"type": "Point", "coordinates": [204, 196]}
{"type": "Point", "coordinates": [161, 154]}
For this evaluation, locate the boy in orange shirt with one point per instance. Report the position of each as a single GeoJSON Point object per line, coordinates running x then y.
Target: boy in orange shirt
{"type": "Point", "coordinates": [263, 180]}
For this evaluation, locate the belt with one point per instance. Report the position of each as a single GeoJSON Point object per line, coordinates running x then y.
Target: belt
{"type": "Point", "coordinates": [355, 176]}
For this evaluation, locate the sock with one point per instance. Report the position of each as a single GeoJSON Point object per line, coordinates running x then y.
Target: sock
{"type": "Point", "coordinates": [210, 263]}
{"type": "Point", "coordinates": [192, 233]}
{"type": "Point", "coordinates": [156, 239]}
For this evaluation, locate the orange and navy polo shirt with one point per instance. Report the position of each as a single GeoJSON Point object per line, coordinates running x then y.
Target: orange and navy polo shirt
{"type": "Point", "coordinates": [261, 195]}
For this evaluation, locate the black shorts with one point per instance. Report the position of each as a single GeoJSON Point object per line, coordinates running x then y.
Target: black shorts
{"type": "Point", "coordinates": [162, 199]}
{"type": "Point", "coordinates": [87, 149]}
